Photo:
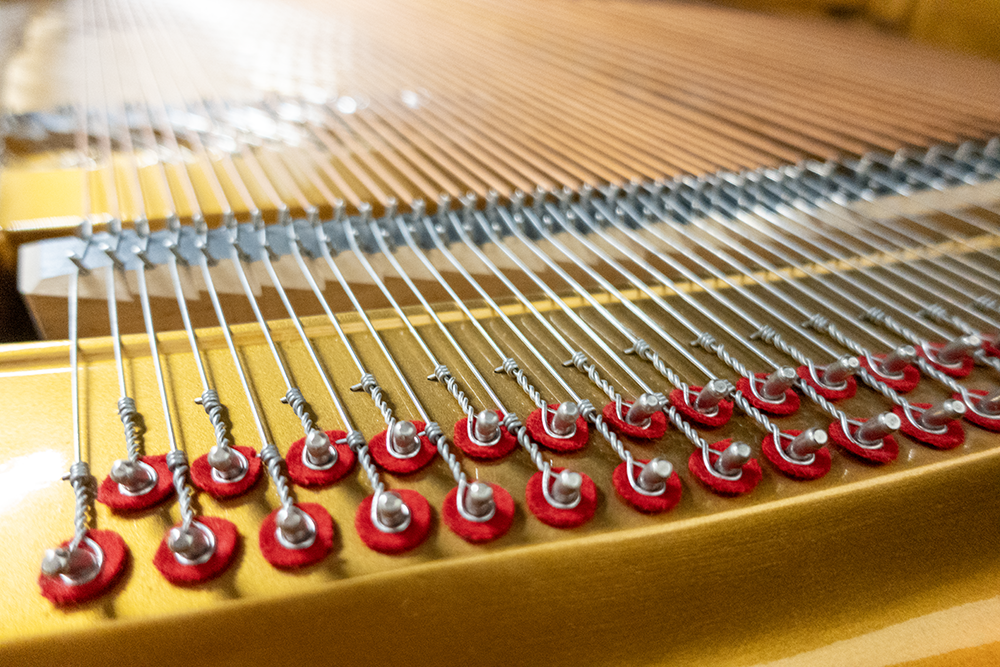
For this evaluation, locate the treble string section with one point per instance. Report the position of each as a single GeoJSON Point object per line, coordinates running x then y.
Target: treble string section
{"type": "Point", "coordinates": [648, 485]}
{"type": "Point", "coordinates": [799, 454]}
{"type": "Point", "coordinates": [726, 467]}
{"type": "Point", "coordinates": [822, 385]}
{"type": "Point", "coordinates": [387, 521]}
{"type": "Point", "coordinates": [478, 511]}
{"type": "Point", "coordinates": [91, 562]}
{"type": "Point", "coordinates": [559, 497]}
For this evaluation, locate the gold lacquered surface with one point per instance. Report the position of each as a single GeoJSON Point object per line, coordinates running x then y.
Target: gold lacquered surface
{"type": "Point", "coordinates": [788, 569]}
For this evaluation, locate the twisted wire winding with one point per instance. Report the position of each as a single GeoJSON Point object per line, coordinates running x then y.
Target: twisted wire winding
{"type": "Point", "coordinates": [938, 313]}
{"type": "Point", "coordinates": [986, 303]}
{"type": "Point", "coordinates": [642, 349]}
{"type": "Point", "coordinates": [707, 341]}
{"type": "Point", "coordinates": [129, 415]}
{"type": "Point", "coordinates": [297, 403]}
{"type": "Point", "coordinates": [591, 414]}
{"type": "Point", "coordinates": [825, 326]}
{"type": "Point", "coordinates": [879, 316]}
{"type": "Point", "coordinates": [217, 416]}
{"type": "Point", "coordinates": [84, 490]}
{"type": "Point", "coordinates": [370, 385]}
{"type": "Point", "coordinates": [584, 365]}
{"type": "Point", "coordinates": [520, 433]}
{"type": "Point", "coordinates": [271, 457]}
{"type": "Point", "coordinates": [177, 463]}
{"type": "Point", "coordinates": [433, 433]}
{"type": "Point", "coordinates": [510, 367]}
{"type": "Point", "coordinates": [678, 421]}
{"type": "Point", "coordinates": [445, 377]}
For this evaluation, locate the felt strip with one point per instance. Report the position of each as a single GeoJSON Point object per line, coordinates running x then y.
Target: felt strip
{"type": "Point", "coordinates": [720, 418]}
{"type": "Point", "coordinates": [379, 451]}
{"type": "Point", "coordinates": [850, 386]}
{"type": "Point", "coordinates": [654, 430]}
{"type": "Point", "coordinates": [110, 495]}
{"type": "Point", "coordinates": [289, 559]}
{"type": "Point", "coordinates": [561, 518]}
{"type": "Point", "coordinates": [988, 423]}
{"type": "Point", "coordinates": [394, 543]}
{"type": "Point", "coordinates": [786, 407]}
{"type": "Point", "coordinates": [905, 384]}
{"type": "Point", "coordinates": [953, 436]}
{"type": "Point", "coordinates": [502, 448]}
{"type": "Point", "coordinates": [887, 453]}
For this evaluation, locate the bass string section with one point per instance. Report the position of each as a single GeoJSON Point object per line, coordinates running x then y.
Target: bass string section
{"type": "Point", "coordinates": [565, 359]}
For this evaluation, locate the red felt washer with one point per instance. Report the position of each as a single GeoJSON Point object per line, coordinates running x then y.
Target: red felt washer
{"type": "Point", "coordinates": [747, 482]}
{"type": "Point", "coordinates": [649, 504]}
{"type": "Point", "coordinates": [656, 428]}
{"type": "Point", "coordinates": [394, 543]}
{"type": "Point", "coordinates": [109, 494]}
{"type": "Point", "coordinates": [887, 453]}
{"type": "Point", "coordinates": [475, 532]}
{"type": "Point", "coordinates": [579, 440]}
{"type": "Point", "coordinates": [115, 558]}
{"type": "Point", "coordinates": [226, 541]}
{"type": "Point", "coordinates": [819, 467]}
{"type": "Point", "coordinates": [960, 371]}
{"type": "Point", "coordinates": [991, 345]}
{"type": "Point", "coordinates": [201, 476]}
{"type": "Point", "coordinates": [289, 559]}
{"type": "Point", "coordinates": [560, 518]}
{"type": "Point", "coordinates": [953, 436]}
{"type": "Point", "coordinates": [303, 475]}
{"type": "Point", "coordinates": [989, 423]}
{"type": "Point", "coordinates": [502, 448]}
{"type": "Point", "coordinates": [850, 386]}
{"type": "Point", "coordinates": [786, 407]}
{"type": "Point", "coordinates": [720, 418]}
{"type": "Point", "coordinates": [380, 453]}
{"type": "Point", "coordinates": [905, 384]}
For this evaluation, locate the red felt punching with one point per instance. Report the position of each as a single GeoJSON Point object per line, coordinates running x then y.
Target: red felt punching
{"type": "Point", "coordinates": [650, 504]}
{"type": "Point", "coordinates": [394, 543]}
{"type": "Point", "coordinates": [953, 436]}
{"type": "Point", "coordinates": [747, 482]}
{"type": "Point", "coordinates": [303, 475]}
{"type": "Point", "coordinates": [720, 418]}
{"type": "Point", "coordinates": [201, 476]}
{"type": "Point", "coordinates": [655, 429]}
{"type": "Point", "coordinates": [989, 423]}
{"type": "Point", "coordinates": [850, 386]}
{"type": "Point", "coordinates": [786, 407]}
{"type": "Point", "coordinates": [537, 430]}
{"type": "Point", "coordinates": [887, 453]}
{"type": "Point", "coordinates": [991, 345]}
{"type": "Point", "coordinates": [907, 382]}
{"type": "Point", "coordinates": [959, 370]}
{"type": "Point", "coordinates": [115, 559]}
{"type": "Point", "coordinates": [379, 451]}
{"type": "Point", "coordinates": [110, 495]}
{"type": "Point", "coordinates": [504, 446]}
{"type": "Point", "coordinates": [226, 542]}
{"type": "Point", "coordinates": [560, 518]}
{"type": "Point", "coordinates": [819, 467]}
{"type": "Point", "coordinates": [288, 559]}
{"type": "Point", "coordinates": [475, 531]}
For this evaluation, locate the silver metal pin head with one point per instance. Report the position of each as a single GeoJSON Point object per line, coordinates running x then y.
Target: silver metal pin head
{"type": "Point", "coordinates": [990, 403]}
{"type": "Point", "coordinates": [778, 382]}
{"type": "Point", "coordinates": [838, 372]}
{"type": "Point", "coordinates": [191, 545]}
{"type": "Point", "coordinates": [808, 442]}
{"type": "Point", "coordinates": [487, 426]}
{"type": "Point", "coordinates": [733, 458]}
{"type": "Point", "coordinates": [133, 478]}
{"type": "Point", "coordinates": [294, 525]}
{"type": "Point", "coordinates": [566, 486]}
{"type": "Point", "coordinates": [878, 427]}
{"type": "Point", "coordinates": [479, 499]}
{"type": "Point", "coordinates": [319, 450]}
{"type": "Point", "coordinates": [711, 395]}
{"type": "Point", "coordinates": [938, 416]}
{"type": "Point", "coordinates": [654, 474]}
{"type": "Point", "coordinates": [77, 567]}
{"type": "Point", "coordinates": [391, 510]}
{"type": "Point", "coordinates": [898, 359]}
{"type": "Point", "coordinates": [643, 408]}
{"type": "Point", "coordinates": [957, 349]}
{"type": "Point", "coordinates": [226, 462]}
{"type": "Point", "coordinates": [564, 418]}
{"type": "Point", "coordinates": [55, 561]}
{"type": "Point", "coordinates": [404, 439]}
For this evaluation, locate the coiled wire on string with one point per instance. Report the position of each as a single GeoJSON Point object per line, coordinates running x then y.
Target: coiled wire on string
{"type": "Point", "coordinates": [129, 415]}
